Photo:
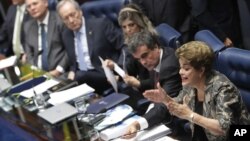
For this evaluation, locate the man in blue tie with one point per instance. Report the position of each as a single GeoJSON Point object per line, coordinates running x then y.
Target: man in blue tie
{"type": "Point", "coordinates": [92, 38]}
{"type": "Point", "coordinates": [43, 39]}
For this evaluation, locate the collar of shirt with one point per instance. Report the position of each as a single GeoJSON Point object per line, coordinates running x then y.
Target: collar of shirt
{"type": "Point", "coordinates": [158, 67]}
{"type": "Point", "coordinates": [45, 20]}
{"type": "Point", "coordinates": [22, 8]}
{"type": "Point", "coordinates": [82, 28]}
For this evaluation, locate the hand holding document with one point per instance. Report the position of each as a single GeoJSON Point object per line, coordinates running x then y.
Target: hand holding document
{"type": "Point", "coordinates": [119, 70]}
{"type": "Point", "coordinates": [119, 130]}
{"type": "Point", "coordinates": [10, 61]}
{"type": "Point", "coordinates": [70, 94]}
{"type": "Point", "coordinates": [110, 76]}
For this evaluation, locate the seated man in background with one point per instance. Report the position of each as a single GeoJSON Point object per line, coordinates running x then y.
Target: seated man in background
{"type": "Point", "coordinates": [11, 33]}
{"type": "Point", "coordinates": [92, 38]}
{"type": "Point", "coordinates": [44, 44]}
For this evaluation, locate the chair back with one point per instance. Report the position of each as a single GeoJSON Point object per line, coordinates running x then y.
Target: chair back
{"type": "Point", "coordinates": [103, 8]}
{"type": "Point", "coordinates": [235, 64]}
{"type": "Point", "coordinates": [52, 4]}
{"type": "Point", "coordinates": [168, 35]}
{"type": "Point", "coordinates": [208, 37]}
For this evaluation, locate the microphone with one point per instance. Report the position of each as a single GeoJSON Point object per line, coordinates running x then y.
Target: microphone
{"type": "Point", "coordinates": [38, 98]}
{"type": "Point", "coordinates": [33, 76]}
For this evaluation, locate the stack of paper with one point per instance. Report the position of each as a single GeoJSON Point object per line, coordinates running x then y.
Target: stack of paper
{"type": "Point", "coordinates": [158, 133]}
{"type": "Point", "coordinates": [70, 94]}
{"type": "Point", "coordinates": [153, 134]}
{"type": "Point", "coordinates": [8, 62]}
{"type": "Point", "coordinates": [119, 130]}
{"type": "Point", "coordinates": [115, 115]}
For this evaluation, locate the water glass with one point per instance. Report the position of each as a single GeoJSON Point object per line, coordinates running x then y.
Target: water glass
{"type": "Point", "coordinates": [81, 106]}
{"type": "Point", "coordinates": [40, 102]}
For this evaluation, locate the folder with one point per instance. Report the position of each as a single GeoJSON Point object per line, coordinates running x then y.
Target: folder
{"type": "Point", "coordinates": [106, 103]}
{"type": "Point", "coordinates": [63, 85]}
{"type": "Point", "coordinates": [25, 85]}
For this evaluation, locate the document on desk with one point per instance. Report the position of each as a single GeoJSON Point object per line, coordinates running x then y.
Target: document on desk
{"type": "Point", "coordinates": [115, 115]}
{"type": "Point", "coordinates": [10, 61]}
{"type": "Point", "coordinates": [119, 130]}
{"type": "Point", "coordinates": [40, 88]}
{"type": "Point", "coordinates": [109, 74]}
{"type": "Point", "coordinates": [70, 94]}
{"type": "Point", "coordinates": [158, 133]}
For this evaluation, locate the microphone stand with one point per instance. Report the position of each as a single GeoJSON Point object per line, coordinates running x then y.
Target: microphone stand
{"type": "Point", "coordinates": [38, 98]}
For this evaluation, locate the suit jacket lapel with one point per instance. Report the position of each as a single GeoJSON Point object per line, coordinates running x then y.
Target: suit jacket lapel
{"type": "Point", "coordinates": [11, 18]}
{"type": "Point", "coordinates": [89, 34]}
{"type": "Point", "coordinates": [34, 39]}
{"type": "Point", "coordinates": [51, 26]}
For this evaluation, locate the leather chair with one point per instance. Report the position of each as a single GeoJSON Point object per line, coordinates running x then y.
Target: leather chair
{"type": "Point", "coordinates": [168, 35]}
{"type": "Point", "coordinates": [234, 63]}
{"type": "Point", "coordinates": [208, 37]}
{"type": "Point", "coordinates": [103, 8]}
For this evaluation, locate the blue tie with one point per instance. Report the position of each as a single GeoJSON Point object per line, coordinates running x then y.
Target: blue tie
{"type": "Point", "coordinates": [44, 48]}
{"type": "Point", "coordinates": [80, 54]}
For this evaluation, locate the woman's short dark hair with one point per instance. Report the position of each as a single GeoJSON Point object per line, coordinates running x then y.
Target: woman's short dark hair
{"type": "Point", "coordinates": [198, 53]}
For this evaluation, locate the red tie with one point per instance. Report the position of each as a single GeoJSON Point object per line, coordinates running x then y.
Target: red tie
{"type": "Point", "coordinates": [156, 78]}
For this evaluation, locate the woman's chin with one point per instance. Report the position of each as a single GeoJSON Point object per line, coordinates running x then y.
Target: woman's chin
{"type": "Point", "coordinates": [184, 84]}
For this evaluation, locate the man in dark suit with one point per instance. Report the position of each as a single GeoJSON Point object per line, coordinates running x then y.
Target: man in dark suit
{"type": "Point", "coordinates": [12, 30]}
{"type": "Point", "coordinates": [173, 12]}
{"type": "Point", "coordinates": [93, 38]}
{"type": "Point", "coordinates": [43, 38]}
{"type": "Point", "coordinates": [219, 16]}
{"type": "Point", "coordinates": [2, 14]}
{"type": "Point", "coordinates": [146, 49]}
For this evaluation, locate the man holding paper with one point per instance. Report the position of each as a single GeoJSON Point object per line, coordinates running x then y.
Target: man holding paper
{"type": "Point", "coordinates": [92, 38]}
{"type": "Point", "coordinates": [165, 65]}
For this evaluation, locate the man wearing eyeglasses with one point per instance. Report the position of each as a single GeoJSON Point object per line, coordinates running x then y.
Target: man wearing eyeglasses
{"type": "Point", "coordinates": [44, 43]}
{"type": "Point", "coordinates": [92, 38]}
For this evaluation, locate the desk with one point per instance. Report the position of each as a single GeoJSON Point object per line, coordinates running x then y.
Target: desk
{"type": "Point", "coordinates": [68, 130]}
{"type": "Point", "coordinates": [28, 119]}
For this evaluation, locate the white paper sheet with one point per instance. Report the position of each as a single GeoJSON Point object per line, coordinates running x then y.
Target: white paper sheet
{"type": "Point", "coordinates": [119, 70]}
{"type": "Point", "coordinates": [158, 133]}
{"type": "Point", "coordinates": [115, 115]}
{"type": "Point", "coordinates": [10, 61]}
{"type": "Point", "coordinates": [70, 94]}
{"type": "Point", "coordinates": [110, 76]}
{"type": "Point", "coordinates": [39, 88]}
{"type": "Point", "coordinates": [118, 130]}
